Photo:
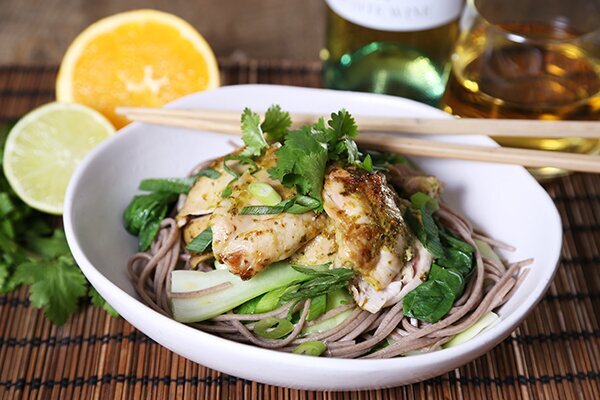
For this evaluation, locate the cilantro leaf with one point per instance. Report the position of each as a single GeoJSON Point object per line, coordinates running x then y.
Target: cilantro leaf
{"type": "Point", "coordinates": [97, 300]}
{"type": "Point", "coordinates": [56, 286]}
{"type": "Point", "coordinates": [252, 134]}
{"type": "Point", "coordinates": [342, 124]}
{"type": "Point", "coordinates": [301, 163]}
{"type": "Point", "coordinates": [48, 246]}
{"type": "Point", "coordinates": [276, 123]}
{"type": "Point", "coordinates": [4, 274]}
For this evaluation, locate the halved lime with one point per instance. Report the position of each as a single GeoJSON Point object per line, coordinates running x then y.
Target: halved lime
{"type": "Point", "coordinates": [44, 148]}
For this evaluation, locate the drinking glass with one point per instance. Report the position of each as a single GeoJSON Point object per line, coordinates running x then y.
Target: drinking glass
{"type": "Point", "coordinates": [529, 59]}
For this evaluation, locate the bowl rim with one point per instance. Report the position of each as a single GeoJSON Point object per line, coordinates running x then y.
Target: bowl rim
{"type": "Point", "coordinates": [494, 335]}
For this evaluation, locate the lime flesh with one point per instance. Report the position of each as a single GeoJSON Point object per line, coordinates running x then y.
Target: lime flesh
{"type": "Point", "coordinates": [44, 148]}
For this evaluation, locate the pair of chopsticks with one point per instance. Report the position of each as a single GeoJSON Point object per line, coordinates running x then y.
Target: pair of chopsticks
{"type": "Point", "coordinates": [221, 121]}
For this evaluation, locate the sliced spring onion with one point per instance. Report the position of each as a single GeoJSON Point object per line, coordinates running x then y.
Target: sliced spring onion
{"type": "Point", "coordinates": [264, 193]}
{"type": "Point", "coordinates": [228, 189]}
{"type": "Point", "coordinates": [273, 328]}
{"type": "Point", "coordinates": [487, 251]}
{"type": "Point", "coordinates": [270, 301]}
{"type": "Point", "coordinates": [242, 160]}
{"type": "Point", "coordinates": [318, 305]}
{"type": "Point", "coordinates": [297, 204]}
{"type": "Point", "coordinates": [168, 185]}
{"type": "Point", "coordinates": [487, 321]}
{"type": "Point", "coordinates": [248, 307]}
{"type": "Point", "coordinates": [311, 348]}
{"type": "Point", "coordinates": [336, 298]}
{"type": "Point", "coordinates": [328, 324]}
{"type": "Point", "coordinates": [201, 242]}
{"type": "Point", "coordinates": [209, 173]}
{"type": "Point", "coordinates": [210, 305]}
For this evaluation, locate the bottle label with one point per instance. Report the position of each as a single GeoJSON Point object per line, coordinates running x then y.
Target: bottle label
{"type": "Point", "coordinates": [397, 15]}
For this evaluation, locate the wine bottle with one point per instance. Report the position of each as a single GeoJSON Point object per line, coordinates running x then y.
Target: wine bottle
{"type": "Point", "coordinates": [399, 47]}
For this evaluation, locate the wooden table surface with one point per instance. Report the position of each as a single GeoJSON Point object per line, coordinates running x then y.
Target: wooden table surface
{"type": "Point", "coordinates": [38, 31]}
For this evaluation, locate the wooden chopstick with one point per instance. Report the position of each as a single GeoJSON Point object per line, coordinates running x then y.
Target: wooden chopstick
{"type": "Point", "coordinates": [419, 126]}
{"type": "Point", "coordinates": [403, 145]}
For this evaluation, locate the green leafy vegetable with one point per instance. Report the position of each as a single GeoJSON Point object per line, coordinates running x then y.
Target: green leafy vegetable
{"type": "Point", "coordinates": [367, 163]}
{"type": "Point", "coordinates": [301, 163]}
{"type": "Point", "coordinates": [421, 200]}
{"type": "Point", "coordinates": [99, 301]}
{"type": "Point", "coordinates": [252, 134]}
{"type": "Point", "coordinates": [320, 282]}
{"type": "Point", "coordinates": [202, 242]}
{"type": "Point", "coordinates": [144, 214]}
{"type": "Point", "coordinates": [429, 301]}
{"type": "Point", "coordinates": [276, 123]}
{"type": "Point", "coordinates": [168, 185]}
{"type": "Point", "coordinates": [55, 285]}
{"type": "Point", "coordinates": [302, 159]}
{"type": "Point", "coordinates": [196, 309]}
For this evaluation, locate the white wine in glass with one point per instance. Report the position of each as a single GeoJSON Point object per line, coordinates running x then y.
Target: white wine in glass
{"type": "Point", "coordinates": [529, 59]}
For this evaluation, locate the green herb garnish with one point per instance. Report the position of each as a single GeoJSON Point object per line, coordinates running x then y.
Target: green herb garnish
{"type": "Point", "coordinates": [297, 204]}
{"type": "Point", "coordinates": [201, 242]}
{"type": "Point", "coordinates": [302, 159]}
{"type": "Point", "coordinates": [321, 282]}
{"type": "Point", "coordinates": [209, 173]}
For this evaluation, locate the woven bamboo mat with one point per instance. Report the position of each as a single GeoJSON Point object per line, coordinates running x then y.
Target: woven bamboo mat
{"type": "Point", "coordinates": [554, 354]}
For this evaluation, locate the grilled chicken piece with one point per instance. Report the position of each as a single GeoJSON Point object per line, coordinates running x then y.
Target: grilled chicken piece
{"type": "Point", "coordinates": [248, 243]}
{"type": "Point", "coordinates": [370, 232]}
{"type": "Point", "coordinates": [205, 194]}
{"type": "Point", "coordinates": [322, 249]}
{"type": "Point", "coordinates": [412, 275]}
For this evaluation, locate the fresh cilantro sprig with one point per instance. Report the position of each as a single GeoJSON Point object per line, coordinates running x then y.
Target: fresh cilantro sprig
{"type": "Point", "coordinates": [303, 157]}
{"type": "Point", "coordinates": [33, 253]}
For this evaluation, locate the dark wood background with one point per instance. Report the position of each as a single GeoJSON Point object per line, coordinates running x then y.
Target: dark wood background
{"type": "Point", "coordinates": [39, 31]}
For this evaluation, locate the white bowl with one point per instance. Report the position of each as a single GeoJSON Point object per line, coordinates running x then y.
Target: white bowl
{"type": "Point", "coordinates": [504, 201]}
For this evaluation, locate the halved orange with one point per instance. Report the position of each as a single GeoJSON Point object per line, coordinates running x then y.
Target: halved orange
{"type": "Point", "coordinates": [136, 58]}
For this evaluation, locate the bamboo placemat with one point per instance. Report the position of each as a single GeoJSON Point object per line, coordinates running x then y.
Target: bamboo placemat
{"type": "Point", "coordinates": [554, 354]}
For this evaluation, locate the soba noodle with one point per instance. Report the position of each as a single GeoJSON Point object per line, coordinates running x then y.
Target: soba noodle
{"type": "Point", "coordinates": [361, 334]}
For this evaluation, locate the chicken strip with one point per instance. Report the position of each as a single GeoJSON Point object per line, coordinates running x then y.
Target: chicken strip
{"type": "Point", "coordinates": [206, 193]}
{"type": "Point", "coordinates": [371, 234]}
{"type": "Point", "coordinates": [322, 249]}
{"type": "Point", "coordinates": [248, 243]}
